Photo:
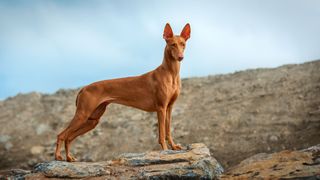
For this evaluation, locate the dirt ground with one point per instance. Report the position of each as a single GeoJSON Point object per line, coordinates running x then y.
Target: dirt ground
{"type": "Point", "coordinates": [236, 115]}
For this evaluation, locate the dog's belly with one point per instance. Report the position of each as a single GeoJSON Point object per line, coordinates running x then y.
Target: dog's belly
{"type": "Point", "coordinates": [142, 104]}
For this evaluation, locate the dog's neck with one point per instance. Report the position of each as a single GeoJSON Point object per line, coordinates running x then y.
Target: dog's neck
{"type": "Point", "coordinates": [170, 64]}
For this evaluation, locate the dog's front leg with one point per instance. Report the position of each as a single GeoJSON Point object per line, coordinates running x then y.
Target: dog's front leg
{"type": "Point", "coordinates": [168, 131]}
{"type": "Point", "coordinates": [161, 127]}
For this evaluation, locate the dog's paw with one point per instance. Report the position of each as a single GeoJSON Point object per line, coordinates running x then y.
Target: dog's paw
{"type": "Point", "coordinates": [164, 147]}
{"type": "Point", "coordinates": [59, 158]}
{"type": "Point", "coordinates": [176, 147]}
{"type": "Point", "coordinates": [71, 158]}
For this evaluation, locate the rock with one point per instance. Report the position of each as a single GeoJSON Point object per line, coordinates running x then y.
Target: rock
{"type": "Point", "coordinates": [273, 138]}
{"type": "Point", "coordinates": [35, 150]}
{"type": "Point", "coordinates": [42, 128]}
{"type": "Point", "coordinates": [193, 163]}
{"type": "Point", "coordinates": [4, 138]}
{"type": "Point", "coordinates": [31, 162]}
{"type": "Point", "coordinates": [62, 169]}
{"type": "Point", "coordinates": [284, 164]}
{"type": "Point", "coordinates": [8, 146]}
{"type": "Point", "coordinates": [313, 149]}
{"type": "Point", "coordinates": [14, 174]}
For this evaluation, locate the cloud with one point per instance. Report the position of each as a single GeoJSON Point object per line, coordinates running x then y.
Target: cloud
{"type": "Point", "coordinates": [47, 45]}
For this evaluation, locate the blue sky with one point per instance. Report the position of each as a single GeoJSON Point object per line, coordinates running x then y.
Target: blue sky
{"type": "Point", "coordinates": [48, 45]}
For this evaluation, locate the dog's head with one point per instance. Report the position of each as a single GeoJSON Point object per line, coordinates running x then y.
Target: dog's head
{"type": "Point", "coordinates": [176, 44]}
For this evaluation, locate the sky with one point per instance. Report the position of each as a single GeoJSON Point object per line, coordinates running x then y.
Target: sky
{"type": "Point", "coordinates": [48, 45]}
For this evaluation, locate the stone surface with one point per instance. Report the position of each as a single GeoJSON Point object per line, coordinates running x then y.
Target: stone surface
{"type": "Point", "coordinates": [14, 174]}
{"type": "Point", "coordinates": [35, 150]}
{"type": "Point", "coordinates": [286, 164]}
{"type": "Point", "coordinates": [195, 162]}
{"type": "Point", "coordinates": [62, 169]}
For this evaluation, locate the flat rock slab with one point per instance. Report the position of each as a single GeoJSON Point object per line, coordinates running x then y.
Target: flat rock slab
{"type": "Point", "coordinates": [193, 163]}
{"type": "Point", "coordinates": [304, 164]}
{"type": "Point", "coordinates": [62, 169]}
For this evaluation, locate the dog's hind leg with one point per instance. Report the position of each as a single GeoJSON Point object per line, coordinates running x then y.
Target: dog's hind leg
{"type": "Point", "coordinates": [78, 119]}
{"type": "Point", "coordinates": [90, 124]}
{"type": "Point", "coordinates": [60, 140]}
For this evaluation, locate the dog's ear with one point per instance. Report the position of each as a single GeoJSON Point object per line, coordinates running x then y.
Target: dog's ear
{"type": "Point", "coordinates": [167, 33]}
{"type": "Point", "coordinates": [185, 33]}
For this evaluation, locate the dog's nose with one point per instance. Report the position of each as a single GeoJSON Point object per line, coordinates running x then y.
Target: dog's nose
{"type": "Point", "coordinates": [180, 57]}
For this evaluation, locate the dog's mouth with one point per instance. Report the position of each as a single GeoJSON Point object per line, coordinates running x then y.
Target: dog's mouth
{"type": "Point", "coordinates": [180, 59]}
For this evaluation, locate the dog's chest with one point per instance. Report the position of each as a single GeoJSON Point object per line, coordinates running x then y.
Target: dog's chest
{"type": "Point", "coordinates": [172, 86]}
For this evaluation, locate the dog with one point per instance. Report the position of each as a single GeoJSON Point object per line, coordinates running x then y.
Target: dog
{"type": "Point", "coordinates": [155, 91]}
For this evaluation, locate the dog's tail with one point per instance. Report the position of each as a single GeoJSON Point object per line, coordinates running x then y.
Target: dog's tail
{"type": "Point", "coordinates": [78, 96]}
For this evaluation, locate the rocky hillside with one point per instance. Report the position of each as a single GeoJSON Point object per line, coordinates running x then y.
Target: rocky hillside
{"type": "Point", "coordinates": [236, 115]}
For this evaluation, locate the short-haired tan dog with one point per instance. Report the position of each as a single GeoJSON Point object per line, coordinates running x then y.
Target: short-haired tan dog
{"type": "Point", "coordinates": [155, 91]}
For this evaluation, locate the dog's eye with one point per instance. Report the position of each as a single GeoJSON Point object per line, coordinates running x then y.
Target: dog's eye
{"type": "Point", "coordinates": [174, 44]}
{"type": "Point", "coordinates": [182, 44]}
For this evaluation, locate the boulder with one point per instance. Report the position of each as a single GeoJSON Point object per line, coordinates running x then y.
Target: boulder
{"type": "Point", "coordinates": [195, 162]}
{"type": "Point", "coordinates": [304, 164]}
